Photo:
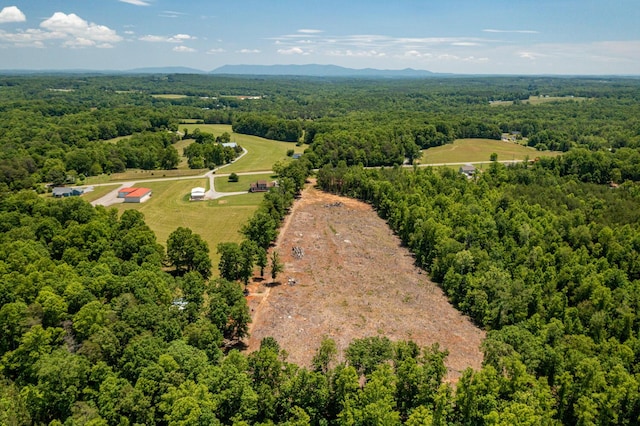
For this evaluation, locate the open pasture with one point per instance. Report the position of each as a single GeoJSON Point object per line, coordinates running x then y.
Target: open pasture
{"type": "Point", "coordinates": [262, 153]}
{"type": "Point", "coordinates": [169, 96]}
{"type": "Point", "coordinates": [475, 150]}
{"type": "Point", "coordinates": [215, 220]}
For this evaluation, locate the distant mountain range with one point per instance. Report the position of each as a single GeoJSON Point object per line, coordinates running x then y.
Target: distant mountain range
{"type": "Point", "coordinates": [310, 70]}
{"type": "Point", "coordinates": [314, 70]}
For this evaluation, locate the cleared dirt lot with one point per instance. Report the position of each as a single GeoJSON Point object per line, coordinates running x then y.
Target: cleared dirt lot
{"type": "Point", "coordinates": [353, 280]}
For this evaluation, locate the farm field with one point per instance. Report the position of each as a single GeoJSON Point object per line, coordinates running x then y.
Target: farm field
{"type": "Point", "coordinates": [262, 153]}
{"type": "Point", "coordinates": [169, 96]}
{"type": "Point", "coordinates": [536, 100]}
{"type": "Point", "coordinates": [354, 280]}
{"type": "Point", "coordinates": [215, 220]}
{"type": "Point", "coordinates": [476, 150]}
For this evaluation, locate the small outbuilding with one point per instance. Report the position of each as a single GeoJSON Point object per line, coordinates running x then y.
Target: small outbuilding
{"type": "Point", "coordinates": [197, 194]}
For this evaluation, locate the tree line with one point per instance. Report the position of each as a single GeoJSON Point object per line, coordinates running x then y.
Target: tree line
{"type": "Point", "coordinates": [548, 263]}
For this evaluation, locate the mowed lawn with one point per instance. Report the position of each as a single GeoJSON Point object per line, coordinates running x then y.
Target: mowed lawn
{"type": "Point", "coordinates": [262, 153]}
{"type": "Point", "coordinates": [476, 150]}
{"type": "Point", "coordinates": [244, 181]}
{"type": "Point", "coordinates": [215, 220]}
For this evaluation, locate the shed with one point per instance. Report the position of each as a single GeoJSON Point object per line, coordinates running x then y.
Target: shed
{"type": "Point", "coordinates": [137, 195]}
{"type": "Point", "coordinates": [197, 194]}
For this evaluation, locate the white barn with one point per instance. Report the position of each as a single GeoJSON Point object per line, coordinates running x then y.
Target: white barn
{"type": "Point", "coordinates": [197, 194]}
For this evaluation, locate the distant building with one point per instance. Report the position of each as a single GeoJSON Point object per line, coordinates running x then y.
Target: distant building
{"type": "Point", "coordinates": [197, 194]}
{"type": "Point", "coordinates": [261, 186]}
{"type": "Point", "coordinates": [63, 192]}
{"type": "Point", "coordinates": [134, 195]}
{"type": "Point", "coordinates": [468, 170]}
{"type": "Point", "coordinates": [229, 144]}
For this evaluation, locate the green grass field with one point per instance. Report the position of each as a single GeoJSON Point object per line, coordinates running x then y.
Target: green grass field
{"type": "Point", "coordinates": [262, 153]}
{"type": "Point", "coordinates": [223, 185]}
{"type": "Point", "coordinates": [474, 150]}
{"type": "Point", "coordinates": [169, 96]}
{"type": "Point", "coordinates": [215, 221]}
{"type": "Point", "coordinates": [98, 192]}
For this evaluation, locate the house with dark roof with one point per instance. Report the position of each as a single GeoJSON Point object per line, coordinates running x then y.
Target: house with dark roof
{"type": "Point", "coordinates": [62, 192]}
{"type": "Point", "coordinates": [468, 170]}
{"type": "Point", "coordinates": [261, 186]}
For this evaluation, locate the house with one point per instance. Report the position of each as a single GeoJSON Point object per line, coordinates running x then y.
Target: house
{"type": "Point", "coordinates": [134, 195]}
{"type": "Point", "coordinates": [468, 170]}
{"type": "Point", "coordinates": [229, 145]}
{"type": "Point", "coordinates": [261, 186]}
{"type": "Point", "coordinates": [197, 194]}
{"type": "Point", "coordinates": [61, 191]}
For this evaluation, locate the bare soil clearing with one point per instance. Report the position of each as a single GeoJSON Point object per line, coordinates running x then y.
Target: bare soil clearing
{"type": "Point", "coordinates": [353, 280]}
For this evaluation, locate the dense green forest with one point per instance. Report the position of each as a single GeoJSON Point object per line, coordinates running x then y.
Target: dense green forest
{"type": "Point", "coordinates": [101, 325]}
{"type": "Point", "coordinates": [50, 123]}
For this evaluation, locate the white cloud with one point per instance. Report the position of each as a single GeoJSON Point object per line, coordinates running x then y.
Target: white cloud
{"type": "Point", "coordinates": [416, 54]}
{"type": "Point", "coordinates": [247, 51]}
{"type": "Point", "coordinates": [465, 43]}
{"type": "Point", "coordinates": [293, 51]}
{"type": "Point", "coordinates": [183, 49]}
{"type": "Point", "coordinates": [310, 31]}
{"type": "Point", "coordinates": [28, 38]}
{"type": "Point", "coordinates": [11, 14]}
{"type": "Point", "coordinates": [182, 37]}
{"type": "Point", "coordinates": [77, 31]}
{"type": "Point", "coordinates": [357, 53]}
{"type": "Point", "coordinates": [530, 55]}
{"type": "Point", "coordinates": [178, 38]}
{"type": "Point", "coordinates": [215, 51]}
{"type": "Point", "coordinates": [171, 14]}
{"type": "Point", "coordinates": [490, 30]}
{"type": "Point", "coordinates": [136, 2]}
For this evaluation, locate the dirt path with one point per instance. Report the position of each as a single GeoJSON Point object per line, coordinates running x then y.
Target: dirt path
{"type": "Point", "coordinates": [353, 280]}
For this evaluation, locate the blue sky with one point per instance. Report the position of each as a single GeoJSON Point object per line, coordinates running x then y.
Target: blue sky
{"type": "Point", "coordinates": [454, 36]}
